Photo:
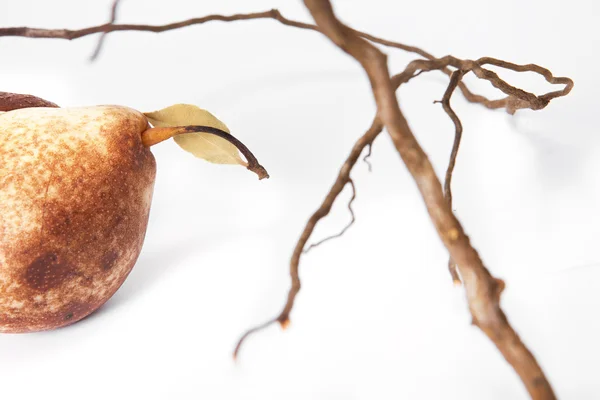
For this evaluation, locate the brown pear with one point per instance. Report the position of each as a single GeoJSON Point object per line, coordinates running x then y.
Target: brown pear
{"type": "Point", "coordinates": [75, 192]}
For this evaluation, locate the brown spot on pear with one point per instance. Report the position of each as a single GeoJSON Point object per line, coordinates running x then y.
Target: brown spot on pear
{"type": "Point", "coordinates": [75, 192]}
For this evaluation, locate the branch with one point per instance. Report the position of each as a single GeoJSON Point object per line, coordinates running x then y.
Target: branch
{"type": "Point", "coordinates": [342, 179]}
{"type": "Point", "coordinates": [340, 233]}
{"type": "Point", "coordinates": [413, 69]}
{"type": "Point", "coordinates": [367, 157]}
{"type": "Point", "coordinates": [113, 18]}
{"type": "Point", "coordinates": [104, 29]}
{"type": "Point", "coordinates": [516, 98]}
{"type": "Point", "coordinates": [483, 290]}
{"type": "Point", "coordinates": [454, 80]}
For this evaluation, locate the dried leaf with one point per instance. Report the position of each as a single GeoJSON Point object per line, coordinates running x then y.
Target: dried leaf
{"type": "Point", "coordinates": [203, 145]}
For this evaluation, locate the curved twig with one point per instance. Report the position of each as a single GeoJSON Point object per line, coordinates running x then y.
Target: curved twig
{"type": "Point", "coordinates": [367, 157]}
{"type": "Point", "coordinates": [340, 233]}
{"type": "Point", "coordinates": [323, 210]}
{"type": "Point", "coordinates": [68, 34]}
{"type": "Point", "coordinates": [482, 289]}
{"type": "Point", "coordinates": [454, 80]}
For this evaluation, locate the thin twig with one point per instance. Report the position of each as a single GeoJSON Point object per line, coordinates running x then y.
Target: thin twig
{"type": "Point", "coordinates": [68, 34]}
{"type": "Point", "coordinates": [340, 233]}
{"type": "Point", "coordinates": [456, 77]}
{"type": "Point", "coordinates": [482, 289]}
{"type": "Point", "coordinates": [250, 332]}
{"type": "Point", "coordinates": [516, 98]}
{"type": "Point", "coordinates": [367, 156]}
{"type": "Point", "coordinates": [113, 18]}
{"type": "Point", "coordinates": [453, 233]}
{"type": "Point", "coordinates": [323, 210]}
{"type": "Point", "coordinates": [412, 70]}
{"type": "Point", "coordinates": [458, 129]}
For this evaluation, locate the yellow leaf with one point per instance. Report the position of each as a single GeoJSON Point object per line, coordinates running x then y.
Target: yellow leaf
{"type": "Point", "coordinates": [201, 144]}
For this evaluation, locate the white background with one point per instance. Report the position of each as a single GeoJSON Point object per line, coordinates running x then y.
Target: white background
{"type": "Point", "coordinates": [378, 316]}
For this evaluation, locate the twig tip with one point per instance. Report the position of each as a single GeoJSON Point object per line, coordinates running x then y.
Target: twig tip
{"type": "Point", "coordinates": [284, 323]}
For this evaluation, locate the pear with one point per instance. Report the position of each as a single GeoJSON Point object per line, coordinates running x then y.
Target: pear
{"type": "Point", "coordinates": [75, 192]}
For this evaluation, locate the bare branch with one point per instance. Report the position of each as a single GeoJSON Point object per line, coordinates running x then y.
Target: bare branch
{"type": "Point", "coordinates": [340, 233]}
{"type": "Point", "coordinates": [454, 80]}
{"type": "Point", "coordinates": [113, 18]}
{"type": "Point", "coordinates": [250, 332]}
{"type": "Point", "coordinates": [456, 76]}
{"type": "Point", "coordinates": [67, 34]}
{"type": "Point", "coordinates": [367, 156]}
{"type": "Point", "coordinates": [413, 69]}
{"type": "Point", "coordinates": [483, 290]}
{"type": "Point", "coordinates": [517, 98]}
{"type": "Point", "coordinates": [342, 179]}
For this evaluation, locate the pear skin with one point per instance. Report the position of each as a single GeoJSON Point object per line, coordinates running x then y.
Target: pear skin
{"type": "Point", "coordinates": [75, 192]}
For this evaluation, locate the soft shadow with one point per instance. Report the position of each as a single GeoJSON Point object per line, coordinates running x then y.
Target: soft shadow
{"type": "Point", "coordinates": [151, 267]}
{"type": "Point", "coordinates": [558, 159]}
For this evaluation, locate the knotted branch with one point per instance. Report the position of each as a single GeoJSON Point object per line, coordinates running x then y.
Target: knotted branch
{"type": "Point", "coordinates": [483, 290]}
{"type": "Point", "coordinates": [342, 179]}
{"type": "Point", "coordinates": [274, 14]}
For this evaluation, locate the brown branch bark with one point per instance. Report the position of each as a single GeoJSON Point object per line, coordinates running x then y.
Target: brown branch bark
{"type": "Point", "coordinates": [340, 233]}
{"type": "Point", "coordinates": [494, 286]}
{"type": "Point", "coordinates": [483, 290]}
{"type": "Point", "coordinates": [104, 29]}
{"type": "Point", "coordinates": [458, 129]}
{"type": "Point", "coordinates": [342, 179]}
{"type": "Point", "coordinates": [113, 18]}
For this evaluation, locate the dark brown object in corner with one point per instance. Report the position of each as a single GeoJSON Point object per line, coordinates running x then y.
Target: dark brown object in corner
{"type": "Point", "coordinates": [15, 101]}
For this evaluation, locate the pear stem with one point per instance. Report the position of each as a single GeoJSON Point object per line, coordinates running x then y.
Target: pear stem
{"type": "Point", "coordinates": [153, 136]}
